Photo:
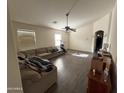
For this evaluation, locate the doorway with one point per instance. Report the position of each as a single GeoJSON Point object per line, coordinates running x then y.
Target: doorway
{"type": "Point", "coordinates": [98, 40]}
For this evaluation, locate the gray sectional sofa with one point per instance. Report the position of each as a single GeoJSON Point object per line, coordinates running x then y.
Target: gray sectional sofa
{"type": "Point", "coordinates": [33, 80]}
{"type": "Point", "coordinates": [46, 53]}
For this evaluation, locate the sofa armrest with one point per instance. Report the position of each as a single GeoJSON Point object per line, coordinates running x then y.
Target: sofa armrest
{"type": "Point", "coordinates": [49, 78]}
{"type": "Point", "coordinates": [30, 75]}
{"type": "Point", "coordinates": [54, 70]}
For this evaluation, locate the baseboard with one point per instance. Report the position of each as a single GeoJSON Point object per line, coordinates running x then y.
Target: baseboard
{"type": "Point", "coordinates": [87, 52]}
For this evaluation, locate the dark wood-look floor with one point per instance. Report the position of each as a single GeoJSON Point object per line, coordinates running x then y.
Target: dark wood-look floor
{"type": "Point", "coordinates": [72, 74]}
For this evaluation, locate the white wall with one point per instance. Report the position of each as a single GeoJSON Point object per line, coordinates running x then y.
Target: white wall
{"type": "Point", "coordinates": [113, 34]}
{"type": "Point", "coordinates": [103, 24]}
{"type": "Point", "coordinates": [82, 38]}
{"type": "Point", "coordinates": [44, 36]}
{"type": "Point", "coordinates": [13, 73]}
{"type": "Point", "coordinates": [108, 24]}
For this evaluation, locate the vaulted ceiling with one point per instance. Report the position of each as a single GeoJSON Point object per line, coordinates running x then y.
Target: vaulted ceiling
{"type": "Point", "coordinates": [45, 12]}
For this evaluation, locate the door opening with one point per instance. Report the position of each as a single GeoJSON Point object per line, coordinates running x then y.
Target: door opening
{"type": "Point", "coordinates": [98, 40]}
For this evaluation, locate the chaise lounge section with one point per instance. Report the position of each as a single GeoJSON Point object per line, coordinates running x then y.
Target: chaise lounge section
{"type": "Point", "coordinates": [34, 81]}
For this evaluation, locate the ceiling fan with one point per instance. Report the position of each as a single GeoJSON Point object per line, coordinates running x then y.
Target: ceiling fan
{"type": "Point", "coordinates": [68, 28]}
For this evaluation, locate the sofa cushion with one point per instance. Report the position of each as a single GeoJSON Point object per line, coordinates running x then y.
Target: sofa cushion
{"type": "Point", "coordinates": [42, 64]}
{"type": "Point", "coordinates": [44, 54]}
{"type": "Point", "coordinates": [34, 67]}
{"type": "Point", "coordinates": [28, 74]}
{"type": "Point", "coordinates": [27, 53]}
{"type": "Point", "coordinates": [49, 49]}
{"type": "Point", "coordinates": [50, 72]}
{"type": "Point", "coordinates": [22, 54]}
{"type": "Point", "coordinates": [30, 52]}
{"type": "Point", "coordinates": [41, 50]}
{"type": "Point", "coordinates": [22, 65]}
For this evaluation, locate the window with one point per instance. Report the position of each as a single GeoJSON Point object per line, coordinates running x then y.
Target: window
{"type": "Point", "coordinates": [26, 39]}
{"type": "Point", "coordinates": [58, 39]}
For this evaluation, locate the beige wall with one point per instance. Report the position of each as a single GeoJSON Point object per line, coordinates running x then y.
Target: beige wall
{"type": "Point", "coordinates": [113, 34]}
{"type": "Point", "coordinates": [13, 73]}
{"type": "Point", "coordinates": [44, 36]}
{"type": "Point", "coordinates": [82, 38]}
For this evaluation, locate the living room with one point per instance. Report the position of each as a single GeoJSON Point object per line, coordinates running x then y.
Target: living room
{"type": "Point", "coordinates": [36, 30]}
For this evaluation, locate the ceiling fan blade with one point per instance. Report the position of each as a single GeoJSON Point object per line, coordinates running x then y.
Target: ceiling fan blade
{"type": "Point", "coordinates": [67, 28]}
{"type": "Point", "coordinates": [72, 29]}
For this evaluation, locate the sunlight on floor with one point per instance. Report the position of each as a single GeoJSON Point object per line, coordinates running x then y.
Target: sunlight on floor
{"type": "Point", "coordinates": [80, 55]}
{"type": "Point", "coordinates": [60, 65]}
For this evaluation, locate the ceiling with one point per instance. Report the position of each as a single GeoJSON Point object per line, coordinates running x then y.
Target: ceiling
{"type": "Point", "coordinates": [45, 12]}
